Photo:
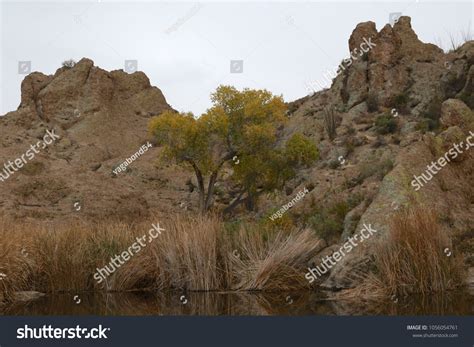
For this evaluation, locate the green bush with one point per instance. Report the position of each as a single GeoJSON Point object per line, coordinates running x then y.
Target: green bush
{"type": "Point", "coordinates": [325, 225]}
{"type": "Point", "coordinates": [385, 124]}
{"type": "Point", "coordinates": [328, 222]}
{"type": "Point", "coordinates": [400, 102]}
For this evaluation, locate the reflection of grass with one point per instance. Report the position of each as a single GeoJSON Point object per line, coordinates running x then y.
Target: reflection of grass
{"type": "Point", "coordinates": [193, 253]}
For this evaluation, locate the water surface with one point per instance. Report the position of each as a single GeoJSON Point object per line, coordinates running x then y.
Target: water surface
{"type": "Point", "coordinates": [231, 303]}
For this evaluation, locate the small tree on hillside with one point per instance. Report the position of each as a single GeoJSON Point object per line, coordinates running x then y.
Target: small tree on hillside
{"type": "Point", "coordinates": [241, 130]}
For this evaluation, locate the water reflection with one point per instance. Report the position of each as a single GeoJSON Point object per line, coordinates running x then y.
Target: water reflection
{"type": "Point", "coordinates": [224, 303]}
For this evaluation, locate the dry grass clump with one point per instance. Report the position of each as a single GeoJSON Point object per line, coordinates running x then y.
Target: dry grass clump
{"type": "Point", "coordinates": [414, 260]}
{"type": "Point", "coordinates": [67, 256]}
{"type": "Point", "coordinates": [277, 262]}
{"type": "Point", "coordinates": [411, 260]}
{"type": "Point", "coordinates": [186, 255]}
{"type": "Point", "coordinates": [15, 265]}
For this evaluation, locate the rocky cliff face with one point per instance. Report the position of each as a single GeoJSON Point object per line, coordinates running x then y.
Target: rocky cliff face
{"type": "Point", "coordinates": [427, 97]}
{"type": "Point", "coordinates": [101, 119]}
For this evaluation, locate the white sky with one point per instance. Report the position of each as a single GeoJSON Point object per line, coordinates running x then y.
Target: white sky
{"type": "Point", "coordinates": [283, 45]}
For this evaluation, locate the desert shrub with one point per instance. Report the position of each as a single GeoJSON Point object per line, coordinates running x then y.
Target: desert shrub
{"type": "Point", "coordinates": [69, 63]}
{"type": "Point", "coordinates": [328, 222]}
{"type": "Point", "coordinates": [334, 164]}
{"type": "Point", "coordinates": [423, 125]}
{"type": "Point", "coordinates": [385, 124]}
{"type": "Point", "coordinates": [350, 129]}
{"type": "Point", "coordinates": [325, 225]}
{"type": "Point", "coordinates": [372, 102]}
{"type": "Point", "coordinates": [400, 102]}
{"type": "Point", "coordinates": [284, 223]}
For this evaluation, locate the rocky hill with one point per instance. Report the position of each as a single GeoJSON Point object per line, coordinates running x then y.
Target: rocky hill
{"type": "Point", "coordinates": [395, 109]}
{"type": "Point", "coordinates": [101, 119]}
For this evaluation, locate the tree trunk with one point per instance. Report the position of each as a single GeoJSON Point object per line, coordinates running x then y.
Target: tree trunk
{"type": "Point", "coordinates": [200, 181]}
{"type": "Point", "coordinates": [210, 191]}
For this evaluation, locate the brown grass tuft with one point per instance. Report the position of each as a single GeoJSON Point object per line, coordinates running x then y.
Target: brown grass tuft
{"type": "Point", "coordinates": [411, 260]}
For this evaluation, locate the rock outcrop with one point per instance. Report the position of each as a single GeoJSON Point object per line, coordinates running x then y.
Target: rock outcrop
{"type": "Point", "coordinates": [101, 119]}
{"type": "Point", "coordinates": [426, 96]}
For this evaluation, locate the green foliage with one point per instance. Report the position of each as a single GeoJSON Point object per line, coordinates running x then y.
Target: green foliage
{"type": "Point", "coordinates": [400, 102]}
{"type": "Point", "coordinates": [328, 222]}
{"type": "Point", "coordinates": [301, 151]}
{"type": "Point", "coordinates": [325, 225]}
{"type": "Point", "coordinates": [385, 124]}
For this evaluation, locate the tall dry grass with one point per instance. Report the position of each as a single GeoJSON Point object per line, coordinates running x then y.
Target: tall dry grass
{"type": "Point", "coordinates": [187, 255]}
{"type": "Point", "coordinates": [192, 253]}
{"type": "Point", "coordinates": [15, 266]}
{"type": "Point", "coordinates": [412, 260]}
{"type": "Point", "coordinates": [415, 261]}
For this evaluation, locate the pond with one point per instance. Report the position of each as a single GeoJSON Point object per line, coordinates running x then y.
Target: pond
{"type": "Point", "coordinates": [235, 303]}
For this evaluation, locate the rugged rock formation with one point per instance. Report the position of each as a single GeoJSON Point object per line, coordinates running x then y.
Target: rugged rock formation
{"type": "Point", "coordinates": [428, 96]}
{"type": "Point", "coordinates": [101, 118]}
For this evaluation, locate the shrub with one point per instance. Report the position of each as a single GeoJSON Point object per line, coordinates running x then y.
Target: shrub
{"type": "Point", "coordinates": [69, 63]}
{"type": "Point", "coordinates": [328, 222]}
{"type": "Point", "coordinates": [334, 164]}
{"type": "Point", "coordinates": [325, 225]}
{"type": "Point", "coordinates": [385, 124]}
{"type": "Point", "coordinates": [400, 102]}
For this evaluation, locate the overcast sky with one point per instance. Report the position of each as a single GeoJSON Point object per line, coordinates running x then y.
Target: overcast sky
{"type": "Point", "coordinates": [186, 48]}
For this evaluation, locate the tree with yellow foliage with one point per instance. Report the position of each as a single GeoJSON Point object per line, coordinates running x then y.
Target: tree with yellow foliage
{"type": "Point", "coordinates": [241, 126]}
